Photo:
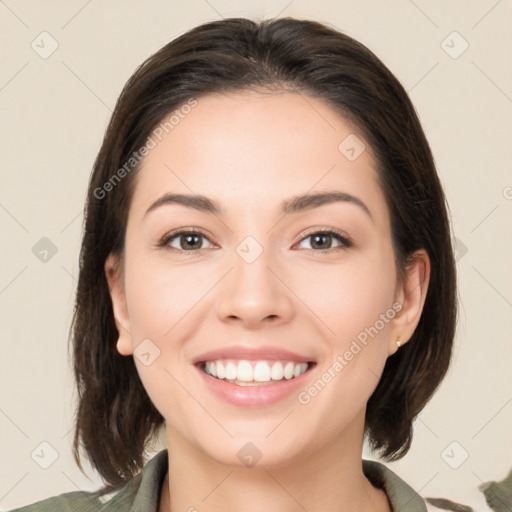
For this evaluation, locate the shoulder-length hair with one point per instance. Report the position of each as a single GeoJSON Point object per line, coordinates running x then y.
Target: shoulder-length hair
{"type": "Point", "coordinates": [115, 419]}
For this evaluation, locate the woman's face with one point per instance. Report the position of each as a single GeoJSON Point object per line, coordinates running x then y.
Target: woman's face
{"type": "Point", "coordinates": [255, 289]}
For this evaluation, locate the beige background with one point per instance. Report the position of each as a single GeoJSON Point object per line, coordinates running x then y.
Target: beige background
{"type": "Point", "coordinates": [54, 113]}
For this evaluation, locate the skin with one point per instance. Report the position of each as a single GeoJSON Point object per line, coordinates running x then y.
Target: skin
{"type": "Point", "coordinates": [249, 151]}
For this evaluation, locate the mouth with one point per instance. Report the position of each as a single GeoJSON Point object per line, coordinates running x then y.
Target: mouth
{"type": "Point", "coordinates": [243, 372]}
{"type": "Point", "coordinates": [260, 376]}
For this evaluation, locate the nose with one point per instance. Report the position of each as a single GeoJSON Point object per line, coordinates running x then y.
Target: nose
{"type": "Point", "coordinates": [255, 294]}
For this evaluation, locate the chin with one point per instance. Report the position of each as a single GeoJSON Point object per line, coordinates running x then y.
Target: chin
{"type": "Point", "coordinates": [254, 452]}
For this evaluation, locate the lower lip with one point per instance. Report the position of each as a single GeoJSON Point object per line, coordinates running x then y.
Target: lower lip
{"type": "Point", "coordinates": [254, 396]}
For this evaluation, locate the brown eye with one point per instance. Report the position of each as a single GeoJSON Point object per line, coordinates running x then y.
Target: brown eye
{"type": "Point", "coordinates": [321, 241]}
{"type": "Point", "coordinates": [185, 241]}
{"type": "Point", "coordinates": [190, 241]}
{"type": "Point", "coordinates": [324, 241]}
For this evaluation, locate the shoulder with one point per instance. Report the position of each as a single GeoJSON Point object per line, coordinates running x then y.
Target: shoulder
{"type": "Point", "coordinates": [141, 492]}
{"type": "Point", "coordinates": [78, 501]}
{"type": "Point", "coordinates": [401, 496]}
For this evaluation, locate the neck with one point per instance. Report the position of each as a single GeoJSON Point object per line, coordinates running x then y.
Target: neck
{"type": "Point", "coordinates": [328, 480]}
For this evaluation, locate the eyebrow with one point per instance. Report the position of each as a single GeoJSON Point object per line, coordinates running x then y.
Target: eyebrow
{"type": "Point", "coordinates": [292, 205]}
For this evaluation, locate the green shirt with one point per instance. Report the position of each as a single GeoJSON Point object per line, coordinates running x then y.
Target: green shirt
{"type": "Point", "coordinates": [142, 493]}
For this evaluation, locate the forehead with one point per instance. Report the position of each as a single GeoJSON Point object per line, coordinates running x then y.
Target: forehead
{"type": "Point", "coordinates": [257, 148]}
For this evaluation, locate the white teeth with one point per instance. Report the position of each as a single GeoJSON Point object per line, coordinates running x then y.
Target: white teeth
{"type": "Point", "coordinates": [299, 369]}
{"type": "Point", "coordinates": [261, 372]}
{"type": "Point", "coordinates": [277, 371]}
{"type": "Point", "coordinates": [231, 371]}
{"type": "Point", "coordinates": [288, 371]}
{"type": "Point", "coordinates": [211, 368]}
{"type": "Point", "coordinates": [246, 372]}
{"type": "Point", "coordinates": [221, 373]}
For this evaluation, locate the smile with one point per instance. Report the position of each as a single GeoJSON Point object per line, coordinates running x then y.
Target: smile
{"type": "Point", "coordinates": [254, 383]}
{"type": "Point", "coordinates": [254, 373]}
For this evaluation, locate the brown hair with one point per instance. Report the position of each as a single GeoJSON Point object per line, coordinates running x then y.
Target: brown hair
{"type": "Point", "coordinates": [115, 418]}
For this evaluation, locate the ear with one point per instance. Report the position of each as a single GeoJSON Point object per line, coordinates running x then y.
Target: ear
{"type": "Point", "coordinates": [114, 274]}
{"type": "Point", "coordinates": [410, 294]}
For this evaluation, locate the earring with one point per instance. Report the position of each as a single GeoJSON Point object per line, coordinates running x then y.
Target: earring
{"type": "Point", "coordinates": [398, 343]}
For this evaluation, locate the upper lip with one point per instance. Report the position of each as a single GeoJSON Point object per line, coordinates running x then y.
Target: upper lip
{"type": "Point", "coordinates": [251, 353]}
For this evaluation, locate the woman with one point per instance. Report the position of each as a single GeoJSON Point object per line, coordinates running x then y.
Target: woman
{"type": "Point", "coordinates": [267, 271]}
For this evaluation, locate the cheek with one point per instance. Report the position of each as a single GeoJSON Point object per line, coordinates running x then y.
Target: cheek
{"type": "Point", "coordinates": [161, 297]}
{"type": "Point", "coordinates": [355, 304]}
{"type": "Point", "coordinates": [158, 319]}
{"type": "Point", "coordinates": [349, 298]}
{"type": "Point", "coordinates": [164, 303]}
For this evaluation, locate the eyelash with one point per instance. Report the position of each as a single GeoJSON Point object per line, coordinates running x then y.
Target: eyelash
{"type": "Point", "coordinates": [345, 242]}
